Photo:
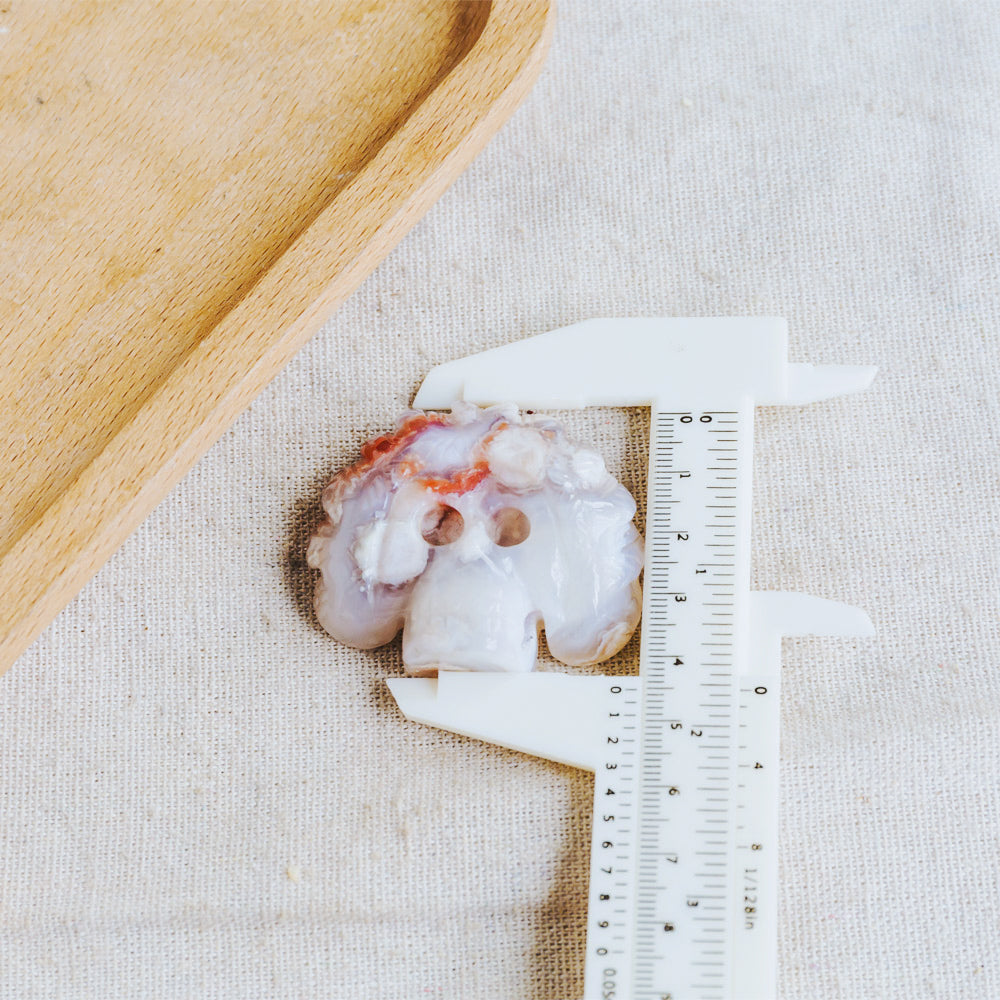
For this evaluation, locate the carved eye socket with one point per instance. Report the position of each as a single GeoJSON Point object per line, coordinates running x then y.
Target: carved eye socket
{"type": "Point", "coordinates": [442, 525]}
{"type": "Point", "coordinates": [510, 526]}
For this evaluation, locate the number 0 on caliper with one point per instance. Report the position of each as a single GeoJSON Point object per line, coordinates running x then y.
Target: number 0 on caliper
{"type": "Point", "coordinates": [683, 883]}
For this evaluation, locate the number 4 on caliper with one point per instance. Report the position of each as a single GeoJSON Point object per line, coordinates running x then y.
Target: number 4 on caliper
{"type": "Point", "coordinates": [683, 883]}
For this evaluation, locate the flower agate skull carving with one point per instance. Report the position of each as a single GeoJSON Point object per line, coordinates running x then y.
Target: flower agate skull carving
{"type": "Point", "coordinates": [472, 530]}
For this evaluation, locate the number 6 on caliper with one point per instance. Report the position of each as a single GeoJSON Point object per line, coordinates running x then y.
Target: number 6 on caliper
{"type": "Point", "coordinates": [683, 883]}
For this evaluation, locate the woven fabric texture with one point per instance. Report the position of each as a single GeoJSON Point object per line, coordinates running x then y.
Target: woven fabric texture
{"type": "Point", "coordinates": [202, 795]}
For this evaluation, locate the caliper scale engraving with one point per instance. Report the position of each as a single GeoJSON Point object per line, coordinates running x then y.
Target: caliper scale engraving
{"type": "Point", "coordinates": [683, 917]}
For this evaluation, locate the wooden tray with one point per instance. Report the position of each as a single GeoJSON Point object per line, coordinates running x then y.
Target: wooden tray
{"type": "Point", "coordinates": [187, 190]}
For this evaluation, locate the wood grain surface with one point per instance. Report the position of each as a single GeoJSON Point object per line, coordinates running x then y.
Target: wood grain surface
{"type": "Point", "coordinates": [187, 191]}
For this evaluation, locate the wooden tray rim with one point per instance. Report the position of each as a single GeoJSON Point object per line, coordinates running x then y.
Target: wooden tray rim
{"type": "Point", "coordinates": [163, 458]}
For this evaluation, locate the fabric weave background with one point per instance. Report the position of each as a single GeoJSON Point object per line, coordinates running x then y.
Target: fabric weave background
{"type": "Point", "coordinates": [204, 796]}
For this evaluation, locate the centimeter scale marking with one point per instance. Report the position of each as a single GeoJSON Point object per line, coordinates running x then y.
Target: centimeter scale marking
{"type": "Point", "coordinates": [671, 860]}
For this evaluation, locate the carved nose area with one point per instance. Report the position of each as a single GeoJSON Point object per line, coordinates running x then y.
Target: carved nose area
{"type": "Point", "coordinates": [442, 525]}
{"type": "Point", "coordinates": [510, 526]}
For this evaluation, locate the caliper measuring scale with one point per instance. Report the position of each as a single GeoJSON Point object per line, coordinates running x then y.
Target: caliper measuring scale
{"type": "Point", "coordinates": [683, 879]}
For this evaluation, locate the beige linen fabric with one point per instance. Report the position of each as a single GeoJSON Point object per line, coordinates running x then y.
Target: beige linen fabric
{"type": "Point", "coordinates": [203, 795]}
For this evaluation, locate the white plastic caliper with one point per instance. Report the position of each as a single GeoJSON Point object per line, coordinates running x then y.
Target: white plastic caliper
{"type": "Point", "coordinates": [683, 884]}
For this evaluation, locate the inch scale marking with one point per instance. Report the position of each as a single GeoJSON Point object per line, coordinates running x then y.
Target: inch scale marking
{"type": "Point", "coordinates": [683, 887]}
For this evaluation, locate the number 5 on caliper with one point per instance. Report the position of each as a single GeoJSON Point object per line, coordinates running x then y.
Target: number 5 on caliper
{"type": "Point", "coordinates": [683, 885]}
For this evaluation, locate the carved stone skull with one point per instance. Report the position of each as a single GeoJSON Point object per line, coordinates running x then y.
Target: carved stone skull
{"type": "Point", "coordinates": [470, 531]}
